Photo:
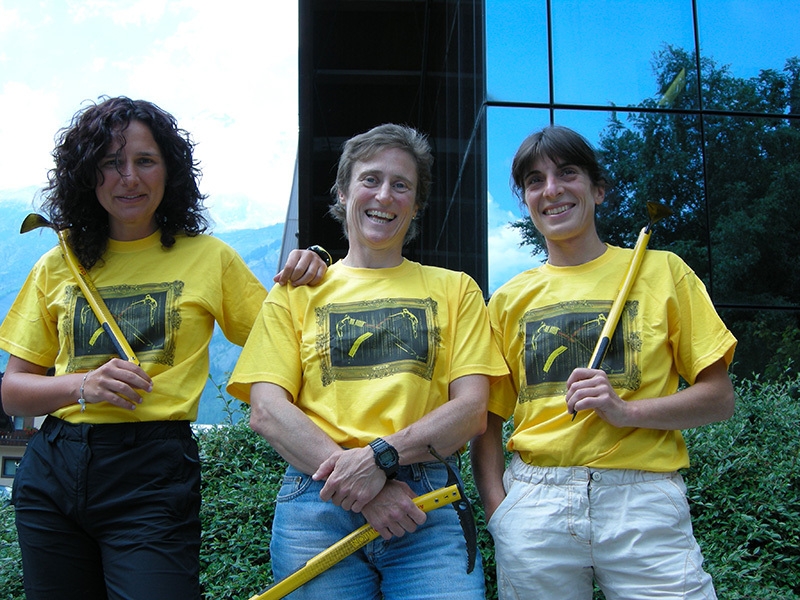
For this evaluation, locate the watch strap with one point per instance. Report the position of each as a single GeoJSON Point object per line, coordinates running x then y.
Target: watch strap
{"type": "Point", "coordinates": [386, 457]}
{"type": "Point", "coordinates": [322, 253]}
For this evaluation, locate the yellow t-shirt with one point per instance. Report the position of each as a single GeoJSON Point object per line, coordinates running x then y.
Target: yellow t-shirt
{"type": "Point", "coordinates": [165, 301]}
{"type": "Point", "coordinates": [369, 351]}
{"type": "Point", "coordinates": [547, 321]}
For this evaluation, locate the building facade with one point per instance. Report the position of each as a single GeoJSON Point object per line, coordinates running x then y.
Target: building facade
{"type": "Point", "coordinates": [362, 64]}
{"type": "Point", "coordinates": [693, 103]}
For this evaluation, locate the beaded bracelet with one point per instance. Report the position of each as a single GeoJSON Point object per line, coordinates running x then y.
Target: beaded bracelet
{"type": "Point", "coordinates": [82, 400]}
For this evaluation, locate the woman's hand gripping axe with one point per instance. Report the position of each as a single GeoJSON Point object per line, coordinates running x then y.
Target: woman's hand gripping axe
{"type": "Point", "coordinates": [93, 297]}
{"type": "Point", "coordinates": [656, 211]}
{"type": "Point", "coordinates": [450, 494]}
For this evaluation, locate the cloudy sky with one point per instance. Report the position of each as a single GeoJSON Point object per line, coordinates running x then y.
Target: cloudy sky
{"type": "Point", "coordinates": [227, 71]}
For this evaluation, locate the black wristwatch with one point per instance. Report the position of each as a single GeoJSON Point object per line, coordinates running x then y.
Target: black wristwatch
{"type": "Point", "coordinates": [386, 457]}
{"type": "Point", "coordinates": [322, 253]}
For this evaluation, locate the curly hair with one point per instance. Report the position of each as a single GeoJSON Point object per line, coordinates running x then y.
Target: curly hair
{"type": "Point", "coordinates": [365, 145]}
{"type": "Point", "coordinates": [70, 198]}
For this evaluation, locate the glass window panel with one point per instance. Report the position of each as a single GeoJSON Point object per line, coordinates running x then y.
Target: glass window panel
{"type": "Point", "coordinates": [649, 157]}
{"type": "Point", "coordinates": [516, 51]}
{"type": "Point", "coordinates": [655, 157]}
{"type": "Point", "coordinates": [745, 37]}
{"type": "Point", "coordinates": [753, 177]}
{"type": "Point", "coordinates": [728, 179]}
{"type": "Point", "coordinates": [588, 123]}
{"type": "Point", "coordinates": [507, 127]}
{"type": "Point", "coordinates": [604, 50]}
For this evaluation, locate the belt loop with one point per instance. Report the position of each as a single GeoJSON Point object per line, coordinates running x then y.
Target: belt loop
{"type": "Point", "coordinates": [54, 426]}
{"type": "Point", "coordinates": [129, 436]}
{"type": "Point", "coordinates": [416, 471]}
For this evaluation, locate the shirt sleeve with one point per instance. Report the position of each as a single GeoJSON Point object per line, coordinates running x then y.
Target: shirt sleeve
{"type": "Point", "coordinates": [475, 350]}
{"type": "Point", "coordinates": [702, 337]}
{"type": "Point", "coordinates": [242, 297]}
{"type": "Point", "coordinates": [29, 331]}
{"type": "Point", "coordinates": [272, 351]}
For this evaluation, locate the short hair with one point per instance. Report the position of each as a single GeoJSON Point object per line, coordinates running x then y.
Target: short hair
{"type": "Point", "coordinates": [364, 146]}
{"type": "Point", "coordinates": [70, 197]}
{"type": "Point", "coordinates": [556, 143]}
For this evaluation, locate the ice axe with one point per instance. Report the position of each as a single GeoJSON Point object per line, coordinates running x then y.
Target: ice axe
{"type": "Point", "coordinates": [656, 211]}
{"type": "Point", "coordinates": [349, 544]}
{"type": "Point", "coordinates": [93, 297]}
{"type": "Point", "coordinates": [451, 493]}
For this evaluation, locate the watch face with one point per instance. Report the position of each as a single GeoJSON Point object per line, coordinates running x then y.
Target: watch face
{"type": "Point", "coordinates": [386, 457]}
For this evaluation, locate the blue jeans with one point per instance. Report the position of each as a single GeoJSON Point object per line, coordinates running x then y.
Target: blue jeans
{"type": "Point", "coordinates": [430, 563]}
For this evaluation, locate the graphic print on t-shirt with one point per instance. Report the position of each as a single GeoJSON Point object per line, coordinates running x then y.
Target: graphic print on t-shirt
{"type": "Point", "coordinates": [377, 338]}
{"type": "Point", "coordinates": [146, 314]}
{"type": "Point", "coordinates": [562, 337]}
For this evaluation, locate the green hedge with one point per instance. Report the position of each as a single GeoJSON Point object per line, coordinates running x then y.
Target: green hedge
{"type": "Point", "coordinates": [744, 489]}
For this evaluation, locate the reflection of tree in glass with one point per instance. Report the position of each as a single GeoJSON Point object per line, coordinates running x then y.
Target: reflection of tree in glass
{"type": "Point", "coordinates": [751, 172]}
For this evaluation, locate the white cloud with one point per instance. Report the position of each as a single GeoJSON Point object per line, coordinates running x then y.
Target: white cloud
{"type": "Point", "coordinates": [506, 257]}
{"type": "Point", "coordinates": [27, 130]}
{"type": "Point", "coordinates": [9, 18]}
{"type": "Point", "coordinates": [121, 12]}
{"type": "Point", "coordinates": [227, 71]}
{"type": "Point", "coordinates": [138, 11]}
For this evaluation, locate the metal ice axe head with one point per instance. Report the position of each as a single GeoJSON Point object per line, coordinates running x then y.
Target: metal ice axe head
{"type": "Point", "coordinates": [464, 511]}
{"type": "Point", "coordinates": [85, 283]}
{"type": "Point", "coordinates": [656, 211]}
{"type": "Point", "coordinates": [35, 221]}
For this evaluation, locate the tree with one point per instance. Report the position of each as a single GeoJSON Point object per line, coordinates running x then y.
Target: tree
{"type": "Point", "coordinates": [731, 181]}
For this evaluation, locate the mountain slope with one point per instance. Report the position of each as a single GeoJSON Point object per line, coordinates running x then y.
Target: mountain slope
{"type": "Point", "coordinates": [260, 248]}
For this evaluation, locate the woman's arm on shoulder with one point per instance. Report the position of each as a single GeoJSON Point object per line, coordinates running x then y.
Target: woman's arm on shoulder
{"type": "Point", "coordinates": [303, 267]}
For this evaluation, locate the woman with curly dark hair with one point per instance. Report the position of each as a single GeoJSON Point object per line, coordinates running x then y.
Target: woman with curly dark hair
{"type": "Point", "coordinates": [107, 495]}
{"type": "Point", "coordinates": [71, 194]}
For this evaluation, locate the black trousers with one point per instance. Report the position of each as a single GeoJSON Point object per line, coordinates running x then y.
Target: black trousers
{"type": "Point", "coordinates": [110, 511]}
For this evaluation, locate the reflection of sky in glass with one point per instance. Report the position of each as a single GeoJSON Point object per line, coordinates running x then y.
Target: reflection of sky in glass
{"type": "Point", "coordinates": [603, 54]}
{"type": "Point", "coordinates": [507, 127]}
{"type": "Point", "coordinates": [603, 51]}
{"type": "Point", "coordinates": [749, 35]}
{"type": "Point", "coordinates": [516, 41]}
{"type": "Point", "coordinates": [588, 123]}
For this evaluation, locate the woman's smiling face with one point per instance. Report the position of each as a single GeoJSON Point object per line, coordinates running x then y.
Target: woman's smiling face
{"type": "Point", "coordinates": [131, 180]}
{"type": "Point", "coordinates": [561, 199]}
{"type": "Point", "coordinates": [380, 201]}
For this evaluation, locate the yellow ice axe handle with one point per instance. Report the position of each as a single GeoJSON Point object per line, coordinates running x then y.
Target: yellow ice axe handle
{"type": "Point", "coordinates": [349, 544]}
{"type": "Point", "coordinates": [619, 302]}
{"type": "Point", "coordinates": [95, 301]}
